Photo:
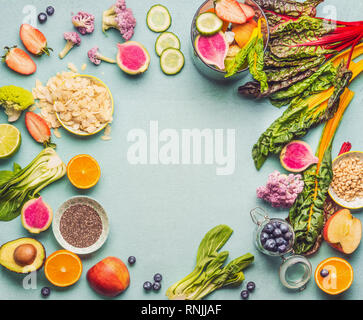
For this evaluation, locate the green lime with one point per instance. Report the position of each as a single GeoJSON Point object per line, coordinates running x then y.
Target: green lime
{"type": "Point", "coordinates": [10, 140]}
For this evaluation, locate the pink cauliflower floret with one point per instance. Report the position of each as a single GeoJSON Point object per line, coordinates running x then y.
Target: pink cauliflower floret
{"type": "Point", "coordinates": [281, 190]}
{"type": "Point", "coordinates": [73, 39]}
{"type": "Point", "coordinates": [119, 17]}
{"type": "Point", "coordinates": [96, 58]}
{"type": "Point", "coordinates": [84, 22]}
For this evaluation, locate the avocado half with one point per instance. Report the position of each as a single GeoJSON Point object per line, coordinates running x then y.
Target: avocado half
{"type": "Point", "coordinates": [26, 246]}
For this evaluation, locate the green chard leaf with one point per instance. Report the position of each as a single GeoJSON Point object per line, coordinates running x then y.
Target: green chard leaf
{"type": "Point", "coordinates": [255, 61]}
{"type": "Point", "coordinates": [290, 8]}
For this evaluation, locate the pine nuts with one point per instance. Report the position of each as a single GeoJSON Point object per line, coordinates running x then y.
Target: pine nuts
{"type": "Point", "coordinates": [348, 178]}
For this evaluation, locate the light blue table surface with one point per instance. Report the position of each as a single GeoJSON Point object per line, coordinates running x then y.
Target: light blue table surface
{"type": "Point", "coordinates": [160, 213]}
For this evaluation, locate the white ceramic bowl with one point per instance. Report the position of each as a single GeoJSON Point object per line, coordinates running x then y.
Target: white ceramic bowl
{"type": "Point", "coordinates": [357, 203]}
{"type": "Point", "coordinates": [101, 212]}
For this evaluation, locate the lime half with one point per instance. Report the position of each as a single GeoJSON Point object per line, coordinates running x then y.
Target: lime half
{"type": "Point", "coordinates": [171, 61]}
{"type": "Point", "coordinates": [165, 41]}
{"type": "Point", "coordinates": [208, 24]}
{"type": "Point", "coordinates": [10, 140]}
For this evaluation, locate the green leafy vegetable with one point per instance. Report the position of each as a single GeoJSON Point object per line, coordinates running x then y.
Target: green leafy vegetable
{"type": "Point", "coordinates": [209, 273]}
{"type": "Point", "coordinates": [21, 185]}
{"type": "Point", "coordinates": [290, 8]}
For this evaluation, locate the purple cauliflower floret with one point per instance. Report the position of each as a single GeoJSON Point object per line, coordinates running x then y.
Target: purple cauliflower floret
{"type": "Point", "coordinates": [121, 18]}
{"type": "Point", "coordinates": [96, 58]}
{"type": "Point", "coordinates": [84, 22]}
{"type": "Point", "coordinates": [73, 39]}
{"type": "Point", "coordinates": [281, 190]}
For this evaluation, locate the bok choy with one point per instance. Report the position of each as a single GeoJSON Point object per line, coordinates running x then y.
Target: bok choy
{"type": "Point", "coordinates": [209, 273]}
{"type": "Point", "coordinates": [21, 185]}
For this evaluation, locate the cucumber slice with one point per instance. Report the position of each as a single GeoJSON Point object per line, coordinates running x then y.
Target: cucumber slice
{"type": "Point", "coordinates": [171, 61]}
{"type": "Point", "coordinates": [158, 18]}
{"type": "Point", "coordinates": [165, 41]}
{"type": "Point", "coordinates": [208, 24]}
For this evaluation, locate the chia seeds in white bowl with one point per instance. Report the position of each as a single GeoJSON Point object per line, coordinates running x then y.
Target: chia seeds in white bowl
{"type": "Point", "coordinates": [81, 225]}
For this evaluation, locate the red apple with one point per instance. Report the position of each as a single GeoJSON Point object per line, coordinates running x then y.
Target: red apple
{"type": "Point", "coordinates": [343, 231]}
{"type": "Point", "coordinates": [109, 277]}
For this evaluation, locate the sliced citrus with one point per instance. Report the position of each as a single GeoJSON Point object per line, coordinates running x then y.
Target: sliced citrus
{"type": "Point", "coordinates": [63, 268]}
{"type": "Point", "coordinates": [340, 275]}
{"type": "Point", "coordinates": [83, 171]}
{"type": "Point", "coordinates": [10, 140]}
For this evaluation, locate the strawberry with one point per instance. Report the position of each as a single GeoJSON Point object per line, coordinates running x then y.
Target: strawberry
{"type": "Point", "coordinates": [230, 10]}
{"type": "Point", "coordinates": [34, 41]}
{"type": "Point", "coordinates": [248, 11]}
{"type": "Point", "coordinates": [38, 128]}
{"type": "Point", "coordinates": [19, 61]}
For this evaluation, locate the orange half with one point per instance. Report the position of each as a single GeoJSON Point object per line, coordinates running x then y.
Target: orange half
{"type": "Point", "coordinates": [340, 275]}
{"type": "Point", "coordinates": [63, 268]}
{"type": "Point", "coordinates": [83, 171]}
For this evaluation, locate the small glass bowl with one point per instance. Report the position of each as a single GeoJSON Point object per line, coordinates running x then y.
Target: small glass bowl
{"type": "Point", "coordinates": [209, 70]}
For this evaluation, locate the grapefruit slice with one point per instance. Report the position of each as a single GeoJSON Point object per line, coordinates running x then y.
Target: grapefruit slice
{"type": "Point", "coordinates": [133, 58]}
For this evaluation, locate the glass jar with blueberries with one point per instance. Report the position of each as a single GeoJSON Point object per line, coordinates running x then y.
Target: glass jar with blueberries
{"type": "Point", "coordinates": [275, 237]}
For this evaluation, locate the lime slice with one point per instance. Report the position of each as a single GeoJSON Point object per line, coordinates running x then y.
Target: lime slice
{"type": "Point", "coordinates": [165, 41]}
{"type": "Point", "coordinates": [171, 61]}
{"type": "Point", "coordinates": [10, 140]}
{"type": "Point", "coordinates": [158, 18]}
{"type": "Point", "coordinates": [208, 24]}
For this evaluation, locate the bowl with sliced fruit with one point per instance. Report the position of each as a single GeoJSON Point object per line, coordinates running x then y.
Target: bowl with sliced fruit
{"type": "Point", "coordinates": [221, 33]}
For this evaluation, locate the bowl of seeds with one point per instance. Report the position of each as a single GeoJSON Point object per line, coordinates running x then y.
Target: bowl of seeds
{"type": "Point", "coordinates": [346, 188]}
{"type": "Point", "coordinates": [81, 225]}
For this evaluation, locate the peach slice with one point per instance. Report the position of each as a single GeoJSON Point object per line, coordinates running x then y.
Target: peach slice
{"type": "Point", "coordinates": [343, 231]}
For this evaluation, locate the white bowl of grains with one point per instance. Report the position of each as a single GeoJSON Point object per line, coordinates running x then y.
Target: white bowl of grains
{"type": "Point", "coordinates": [81, 225]}
{"type": "Point", "coordinates": [346, 188]}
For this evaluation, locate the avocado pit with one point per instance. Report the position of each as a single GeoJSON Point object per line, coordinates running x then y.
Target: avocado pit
{"type": "Point", "coordinates": [25, 254]}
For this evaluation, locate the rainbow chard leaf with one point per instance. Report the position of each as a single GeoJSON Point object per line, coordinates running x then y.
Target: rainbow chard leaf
{"type": "Point", "coordinates": [290, 8]}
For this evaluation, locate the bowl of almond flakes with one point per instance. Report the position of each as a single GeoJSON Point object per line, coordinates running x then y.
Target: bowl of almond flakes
{"type": "Point", "coordinates": [81, 104]}
{"type": "Point", "coordinates": [346, 188]}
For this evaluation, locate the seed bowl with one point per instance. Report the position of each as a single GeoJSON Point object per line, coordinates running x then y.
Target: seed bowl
{"type": "Point", "coordinates": [357, 203]}
{"type": "Point", "coordinates": [95, 206]}
{"type": "Point", "coordinates": [80, 132]}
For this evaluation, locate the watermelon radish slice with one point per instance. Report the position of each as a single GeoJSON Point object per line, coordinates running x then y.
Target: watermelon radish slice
{"type": "Point", "coordinates": [297, 156]}
{"type": "Point", "coordinates": [132, 57]}
{"type": "Point", "coordinates": [36, 215]}
{"type": "Point", "coordinates": [212, 49]}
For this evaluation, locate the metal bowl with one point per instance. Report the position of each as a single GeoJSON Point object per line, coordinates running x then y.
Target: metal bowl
{"type": "Point", "coordinates": [209, 70]}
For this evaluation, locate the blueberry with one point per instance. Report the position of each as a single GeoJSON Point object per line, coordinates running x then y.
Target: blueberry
{"type": "Point", "coordinates": [276, 224]}
{"type": "Point", "coordinates": [284, 228]}
{"type": "Point", "coordinates": [244, 294]}
{"type": "Point", "coordinates": [269, 228]}
{"type": "Point", "coordinates": [45, 292]}
{"type": "Point", "coordinates": [50, 11]}
{"type": "Point", "coordinates": [158, 277]}
{"type": "Point", "coordinates": [288, 236]}
{"type": "Point", "coordinates": [251, 286]}
{"type": "Point", "coordinates": [264, 237]}
{"type": "Point", "coordinates": [282, 248]}
{"type": "Point", "coordinates": [131, 260]}
{"type": "Point", "coordinates": [324, 273]}
{"type": "Point", "coordinates": [277, 233]}
{"type": "Point", "coordinates": [280, 241]}
{"type": "Point", "coordinates": [156, 286]}
{"type": "Point", "coordinates": [270, 245]}
{"type": "Point", "coordinates": [148, 285]}
{"type": "Point", "coordinates": [42, 17]}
